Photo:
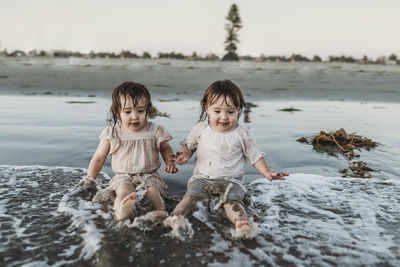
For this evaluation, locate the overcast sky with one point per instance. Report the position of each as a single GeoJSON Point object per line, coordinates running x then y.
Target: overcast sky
{"type": "Point", "coordinates": [270, 27]}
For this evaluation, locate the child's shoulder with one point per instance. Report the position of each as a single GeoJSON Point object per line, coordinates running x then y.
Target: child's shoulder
{"type": "Point", "coordinates": [244, 132]}
{"type": "Point", "coordinates": [200, 125]}
{"type": "Point", "coordinates": [107, 132]}
{"type": "Point", "coordinates": [154, 127]}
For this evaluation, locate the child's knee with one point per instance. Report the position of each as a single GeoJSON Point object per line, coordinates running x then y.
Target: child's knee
{"type": "Point", "coordinates": [152, 189]}
{"type": "Point", "coordinates": [235, 205]}
{"type": "Point", "coordinates": [124, 189]}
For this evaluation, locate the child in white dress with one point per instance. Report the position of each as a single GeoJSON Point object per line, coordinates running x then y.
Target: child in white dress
{"type": "Point", "coordinates": [134, 145]}
{"type": "Point", "coordinates": [222, 146]}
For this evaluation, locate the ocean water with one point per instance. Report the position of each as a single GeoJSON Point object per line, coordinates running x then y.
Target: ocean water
{"type": "Point", "coordinates": [314, 217]}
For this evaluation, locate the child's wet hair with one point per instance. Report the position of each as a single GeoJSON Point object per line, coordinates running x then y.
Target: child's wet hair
{"type": "Point", "coordinates": [225, 89]}
{"type": "Point", "coordinates": [133, 90]}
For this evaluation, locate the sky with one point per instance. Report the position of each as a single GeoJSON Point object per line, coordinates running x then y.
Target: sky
{"type": "Point", "coordinates": [270, 27]}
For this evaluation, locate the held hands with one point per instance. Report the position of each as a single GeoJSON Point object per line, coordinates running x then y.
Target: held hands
{"type": "Point", "coordinates": [171, 168]}
{"type": "Point", "coordinates": [276, 175]}
{"type": "Point", "coordinates": [180, 157]}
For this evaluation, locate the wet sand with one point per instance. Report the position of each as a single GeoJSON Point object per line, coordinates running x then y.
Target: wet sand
{"type": "Point", "coordinates": [187, 79]}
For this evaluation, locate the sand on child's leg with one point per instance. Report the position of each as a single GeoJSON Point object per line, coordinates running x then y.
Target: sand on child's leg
{"type": "Point", "coordinates": [125, 201]}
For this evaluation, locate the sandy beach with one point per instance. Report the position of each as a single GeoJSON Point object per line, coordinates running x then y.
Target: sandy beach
{"type": "Point", "coordinates": [187, 79]}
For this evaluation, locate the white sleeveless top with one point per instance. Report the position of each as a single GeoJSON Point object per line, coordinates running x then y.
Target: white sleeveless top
{"type": "Point", "coordinates": [222, 155]}
{"type": "Point", "coordinates": [135, 153]}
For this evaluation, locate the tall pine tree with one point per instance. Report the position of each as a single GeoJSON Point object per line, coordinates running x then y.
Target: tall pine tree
{"type": "Point", "coordinates": [232, 27]}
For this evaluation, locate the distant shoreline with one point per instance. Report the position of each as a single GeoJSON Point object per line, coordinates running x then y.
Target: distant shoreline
{"type": "Point", "coordinates": [392, 59]}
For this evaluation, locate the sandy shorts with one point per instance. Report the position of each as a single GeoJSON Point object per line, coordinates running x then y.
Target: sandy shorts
{"type": "Point", "coordinates": [203, 188]}
{"type": "Point", "coordinates": [149, 179]}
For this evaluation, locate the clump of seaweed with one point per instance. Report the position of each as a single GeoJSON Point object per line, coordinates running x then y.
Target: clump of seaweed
{"type": "Point", "coordinates": [345, 144]}
{"type": "Point", "coordinates": [169, 100]}
{"type": "Point", "coordinates": [156, 113]}
{"type": "Point", "coordinates": [291, 109]}
{"type": "Point", "coordinates": [80, 102]}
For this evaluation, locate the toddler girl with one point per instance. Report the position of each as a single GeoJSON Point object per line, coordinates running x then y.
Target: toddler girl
{"type": "Point", "coordinates": [222, 147]}
{"type": "Point", "coordinates": [134, 145]}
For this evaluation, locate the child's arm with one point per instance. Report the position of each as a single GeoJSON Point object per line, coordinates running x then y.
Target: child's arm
{"type": "Point", "coordinates": [262, 167]}
{"type": "Point", "coordinates": [98, 159]}
{"type": "Point", "coordinates": [183, 156]}
{"type": "Point", "coordinates": [166, 152]}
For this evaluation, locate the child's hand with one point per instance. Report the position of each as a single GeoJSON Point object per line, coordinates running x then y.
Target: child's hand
{"type": "Point", "coordinates": [276, 175]}
{"type": "Point", "coordinates": [171, 168]}
{"type": "Point", "coordinates": [180, 157]}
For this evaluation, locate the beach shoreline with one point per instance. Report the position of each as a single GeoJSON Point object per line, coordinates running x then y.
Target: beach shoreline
{"type": "Point", "coordinates": [186, 80]}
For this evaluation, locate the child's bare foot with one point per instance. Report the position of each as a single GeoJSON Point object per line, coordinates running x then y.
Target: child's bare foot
{"type": "Point", "coordinates": [150, 220]}
{"type": "Point", "coordinates": [181, 228]}
{"type": "Point", "coordinates": [174, 221]}
{"type": "Point", "coordinates": [243, 226]}
{"type": "Point", "coordinates": [126, 207]}
{"type": "Point", "coordinates": [157, 216]}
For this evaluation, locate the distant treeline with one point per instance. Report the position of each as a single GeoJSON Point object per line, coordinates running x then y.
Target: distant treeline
{"type": "Point", "coordinates": [392, 59]}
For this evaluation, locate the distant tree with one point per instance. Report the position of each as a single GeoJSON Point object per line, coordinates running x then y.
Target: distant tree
{"type": "Point", "coordinates": [393, 57]}
{"type": "Point", "coordinates": [298, 58]}
{"type": "Point", "coordinates": [316, 58]}
{"type": "Point", "coordinates": [146, 55]}
{"type": "Point", "coordinates": [211, 57]}
{"type": "Point", "coordinates": [232, 27]}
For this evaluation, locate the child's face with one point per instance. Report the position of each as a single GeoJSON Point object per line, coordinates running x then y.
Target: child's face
{"type": "Point", "coordinates": [223, 115]}
{"type": "Point", "coordinates": [133, 118]}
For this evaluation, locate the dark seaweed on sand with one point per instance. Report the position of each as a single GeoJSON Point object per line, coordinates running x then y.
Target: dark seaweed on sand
{"type": "Point", "coordinates": [291, 109]}
{"type": "Point", "coordinates": [80, 102]}
{"type": "Point", "coordinates": [169, 100]}
{"type": "Point", "coordinates": [156, 113]}
{"type": "Point", "coordinates": [345, 144]}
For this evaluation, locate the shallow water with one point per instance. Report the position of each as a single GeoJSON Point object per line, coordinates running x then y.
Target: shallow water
{"type": "Point", "coordinates": [304, 220]}
{"type": "Point", "coordinates": [50, 131]}
{"type": "Point", "coordinates": [312, 218]}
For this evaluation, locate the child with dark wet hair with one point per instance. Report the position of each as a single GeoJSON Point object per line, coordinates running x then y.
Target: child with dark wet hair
{"type": "Point", "coordinates": [222, 146]}
{"type": "Point", "coordinates": [134, 144]}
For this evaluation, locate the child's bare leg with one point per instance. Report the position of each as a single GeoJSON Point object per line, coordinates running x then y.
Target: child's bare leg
{"type": "Point", "coordinates": [153, 194]}
{"type": "Point", "coordinates": [124, 202]}
{"type": "Point", "coordinates": [159, 213]}
{"type": "Point", "coordinates": [183, 207]}
{"type": "Point", "coordinates": [238, 216]}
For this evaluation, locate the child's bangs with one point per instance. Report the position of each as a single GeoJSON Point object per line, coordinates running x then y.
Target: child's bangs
{"type": "Point", "coordinates": [225, 95]}
{"type": "Point", "coordinates": [135, 97]}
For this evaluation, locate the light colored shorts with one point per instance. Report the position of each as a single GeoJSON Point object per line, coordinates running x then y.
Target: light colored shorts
{"type": "Point", "coordinates": [203, 188]}
{"type": "Point", "coordinates": [149, 179]}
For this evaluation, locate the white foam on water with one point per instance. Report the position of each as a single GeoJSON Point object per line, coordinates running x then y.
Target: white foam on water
{"type": "Point", "coordinates": [92, 240]}
{"type": "Point", "coordinates": [36, 264]}
{"type": "Point", "coordinates": [82, 218]}
{"type": "Point", "coordinates": [236, 258]}
{"type": "Point", "coordinates": [17, 227]}
{"type": "Point", "coordinates": [324, 216]}
{"type": "Point", "coordinates": [304, 220]}
{"type": "Point", "coordinates": [69, 251]}
{"type": "Point", "coordinates": [202, 214]}
{"type": "Point", "coordinates": [3, 208]}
